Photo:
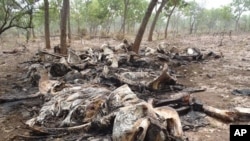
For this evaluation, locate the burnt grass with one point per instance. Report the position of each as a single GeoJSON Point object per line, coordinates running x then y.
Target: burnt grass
{"type": "Point", "coordinates": [219, 76]}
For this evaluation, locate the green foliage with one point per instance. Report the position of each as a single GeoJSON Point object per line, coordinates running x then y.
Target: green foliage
{"type": "Point", "coordinates": [16, 13]}
{"type": "Point", "coordinates": [240, 6]}
{"type": "Point", "coordinates": [98, 12]}
{"type": "Point", "coordinates": [192, 9]}
{"type": "Point", "coordinates": [136, 10]}
{"type": "Point", "coordinates": [178, 3]}
{"type": "Point", "coordinates": [218, 18]}
{"type": "Point", "coordinates": [54, 15]}
{"type": "Point", "coordinates": [87, 14]}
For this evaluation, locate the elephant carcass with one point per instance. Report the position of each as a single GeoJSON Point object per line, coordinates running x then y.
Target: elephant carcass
{"type": "Point", "coordinates": [136, 122]}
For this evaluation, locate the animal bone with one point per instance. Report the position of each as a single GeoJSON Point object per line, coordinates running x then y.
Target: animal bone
{"type": "Point", "coordinates": [172, 118]}
{"type": "Point", "coordinates": [125, 46]}
{"type": "Point", "coordinates": [73, 58]}
{"type": "Point", "coordinates": [114, 62]}
{"type": "Point", "coordinates": [48, 86]}
{"type": "Point", "coordinates": [132, 122]}
{"type": "Point", "coordinates": [149, 51]}
{"type": "Point", "coordinates": [163, 79]}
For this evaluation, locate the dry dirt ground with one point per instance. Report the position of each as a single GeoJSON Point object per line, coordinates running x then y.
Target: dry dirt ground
{"type": "Point", "coordinates": [219, 77]}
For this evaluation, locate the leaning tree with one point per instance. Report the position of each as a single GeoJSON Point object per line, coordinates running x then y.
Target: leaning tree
{"type": "Point", "coordinates": [150, 35]}
{"type": "Point", "coordinates": [143, 25]}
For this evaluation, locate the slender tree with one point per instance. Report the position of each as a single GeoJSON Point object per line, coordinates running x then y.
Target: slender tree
{"type": "Point", "coordinates": [32, 21]}
{"type": "Point", "coordinates": [125, 13]}
{"type": "Point", "coordinates": [169, 9]}
{"type": "Point", "coordinates": [168, 20]}
{"type": "Point", "coordinates": [143, 25]}
{"type": "Point", "coordinates": [63, 28]}
{"type": "Point", "coordinates": [239, 6]}
{"type": "Point", "coordinates": [69, 26]}
{"type": "Point", "coordinates": [46, 23]}
{"type": "Point", "coordinates": [155, 19]}
{"type": "Point", "coordinates": [193, 10]}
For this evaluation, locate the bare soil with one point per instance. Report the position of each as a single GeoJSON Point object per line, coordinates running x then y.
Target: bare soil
{"type": "Point", "coordinates": [218, 76]}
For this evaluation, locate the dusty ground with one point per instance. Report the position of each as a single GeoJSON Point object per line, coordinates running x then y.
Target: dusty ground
{"type": "Point", "coordinates": [228, 73]}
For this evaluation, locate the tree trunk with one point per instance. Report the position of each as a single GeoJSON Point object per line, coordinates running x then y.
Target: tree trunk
{"type": "Point", "coordinates": [32, 25]}
{"type": "Point", "coordinates": [64, 17]}
{"type": "Point", "coordinates": [167, 25]}
{"type": "Point", "coordinates": [155, 20]}
{"type": "Point", "coordinates": [46, 24]}
{"type": "Point", "coordinates": [192, 21]}
{"type": "Point", "coordinates": [143, 25]}
{"type": "Point", "coordinates": [126, 3]}
{"type": "Point", "coordinates": [33, 32]}
{"type": "Point", "coordinates": [69, 27]}
{"type": "Point", "coordinates": [237, 24]}
{"type": "Point", "coordinates": [27, 35]}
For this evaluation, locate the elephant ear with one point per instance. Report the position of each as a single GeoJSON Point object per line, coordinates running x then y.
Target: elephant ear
{"type": "Point", "coordinates": [142, 130]}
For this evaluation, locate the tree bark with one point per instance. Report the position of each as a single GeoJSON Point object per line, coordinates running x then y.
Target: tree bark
{"type": "Point", "coordinates": [166, 29]}
{"type": "Point", "coordinates": [32, 24]}
{"type": "Point", "coordinates": [143, 25]}
{"type": "Point", "coordinates": [126, 3]}
{"type": "Point", "coordinates": [237, 24]}
{"type": "Point", "coordinates": [69, 27]}
{"type": "Point", "coordinates": [46, 24]}
{"type": "Point", "coordinates": [33, 33]}
{"type": "Point", "coordinates": [155, 20]}
{"type": "Point", "coordinates": [27, 35]}
{"type": "Point", "coordinates": [64, 17]}
{"type": "Point", "coordinates": [192, 22]}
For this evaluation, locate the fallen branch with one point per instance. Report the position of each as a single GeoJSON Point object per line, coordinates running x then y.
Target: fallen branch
{"type": "Point", "coordinates": [10, 52]}
{"type": "Point", "coordinates": [52, 54]}
{"type": "Point", "coordinates": [194, 89]}
{"type": "Point", "coordinates": [184, 100]}
{"type": "Point", "coordinates": [83, 127]}
{"type": "Point", "coordinates": [232, 115]}
{"type": "Point", "coordinates": [224, 115]}
{"type": "Point", "coordinates": [5, 100]}
{"type": "Point", "coordinates": [23, 137]}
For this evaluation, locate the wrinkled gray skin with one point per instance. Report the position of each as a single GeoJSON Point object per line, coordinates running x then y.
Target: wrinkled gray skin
{"type": "Point", "coordinates": [131, 123]}
{"type": "Point", "coordinates": [67, 100]}
{"type": "Point", "coordinates": [132, 116]}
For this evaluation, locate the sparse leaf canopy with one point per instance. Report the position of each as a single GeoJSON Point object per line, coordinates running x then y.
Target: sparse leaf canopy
{"type": "Point", "coordinates": [16, 13]}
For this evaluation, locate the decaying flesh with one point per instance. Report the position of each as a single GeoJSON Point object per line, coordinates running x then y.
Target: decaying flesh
{"type": "Point", "coordinates": [95, 107]}
{"type": "Point", "coordinates": [133, 122]}
{"type": "Point", "coordinates": [68, 101]}
{"type": "Point", "coordinates": [148, 80]}
{"type": "Point", "coordinates": [132, 116]}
